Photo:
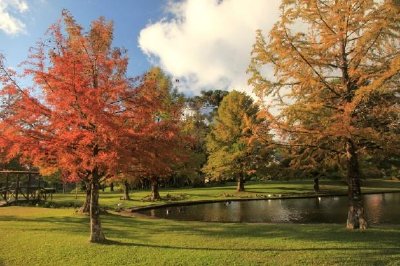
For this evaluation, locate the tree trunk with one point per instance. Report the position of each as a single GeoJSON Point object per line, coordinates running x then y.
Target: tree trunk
{"type": "Point", "coordinates": [17, 189]}
{"type": "Point", "coordinates": [316, 185]}
{"type": "Point", "coordinates": [86, 205]}
{"type": "Point", "coordinates": [96, 233]}
{"type": "Point", "coordinates": [112, 186]}
{"type": "Point", "coordinates": [240, 184]}
{"type": "Point", "coordinates": [28, 189]}
{"type": "Point", "coordinates": [155, 195]}
{"type": "Point", "coordinates": [126, 191]}
{"type": "Point", "coordinates": [356, 216]}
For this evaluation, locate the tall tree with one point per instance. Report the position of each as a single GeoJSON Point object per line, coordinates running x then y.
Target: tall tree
{"type": "Point", "coordinates": [161, 146]}
{"type": "Point", "coordinates": [233, 150]}
{"type": "Point", "coordinates": [331, 59]}
{"type": "Point", "coordinates": [195, 130]}
{"type": "Point", "coordinates": [198, 114]}
{"type": "Point", "coordinates": [75, 120]}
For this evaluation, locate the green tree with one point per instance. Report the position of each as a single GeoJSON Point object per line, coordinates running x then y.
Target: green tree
{"type": "Point", "coordinates": [334, 62]}
{"type": "Point", "coordinates": [233, 150]}
{"type": "Point", "coordinates": [210, 98]}
{"type": "Point", "coordinates": [206, 104]}
{"type": "Point", "coordinates": [195, 131]}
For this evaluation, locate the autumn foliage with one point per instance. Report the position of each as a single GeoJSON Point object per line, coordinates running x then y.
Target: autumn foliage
{"type": "Point", "coordinates": [327, 80]}
{"type": "Point", "coordinates": [162, 144]}
{"type": "Point", "coordinates": [83, 116]}
{"type": "Point", "coordinates": [336, 68]}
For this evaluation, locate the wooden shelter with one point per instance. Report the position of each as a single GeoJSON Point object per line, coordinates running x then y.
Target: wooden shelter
{"type": "Point", "coordinates": [22, 185]}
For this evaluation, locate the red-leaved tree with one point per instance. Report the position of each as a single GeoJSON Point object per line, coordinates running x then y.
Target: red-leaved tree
{"type": "Point", "coordinates": [162, 144]}
{"type": "Point", "coordinates": [80, 115]}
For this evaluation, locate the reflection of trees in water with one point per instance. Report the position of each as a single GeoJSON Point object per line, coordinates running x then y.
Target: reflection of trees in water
{"type": "Point", "coordinates": [374, 207]}
{"type": "Point", "coordinates": [383, 208]}
{"type": "Point", "coordinates": [379, 207]}
{"type": "Point", "coordinates": [213, 212]}
{"type": "Point", "coordinates": [245, 210]}
{"type": "Point", "coordinates": [314, 210]}
{"type": "Point", "coordinates": [317, 200]}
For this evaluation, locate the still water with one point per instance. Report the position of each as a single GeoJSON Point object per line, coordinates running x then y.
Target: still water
{"type": "Point", "coordinates": [380, 209]}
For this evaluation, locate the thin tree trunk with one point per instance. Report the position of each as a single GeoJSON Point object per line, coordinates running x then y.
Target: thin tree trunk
{"type": "Point", "coordinates": [316, 185]}
{"type": "Point", "coordinates": [86, 205]}
{"type": "Point", "coordinates": [126, 191]}
{"type": "Point", "coordinates": [155, 195]}
{"type": "Point", "coordinates": [17, 189]}
{"type": "Point", "coordinates": [112, 186]}
{"type": "Point", "coordinates": [356, 216]}
{"type": "Point", "coordinates": [240, 183]}
{"type": "Point", "coordinates": [96, 233]}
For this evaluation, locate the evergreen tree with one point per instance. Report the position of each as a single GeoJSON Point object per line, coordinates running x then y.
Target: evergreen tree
{"type": "Point", "coordinates": [233, 150]}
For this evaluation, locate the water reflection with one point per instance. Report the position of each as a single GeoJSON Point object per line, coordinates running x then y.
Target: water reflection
{"type": "Point", "coordinates": [380, 208]}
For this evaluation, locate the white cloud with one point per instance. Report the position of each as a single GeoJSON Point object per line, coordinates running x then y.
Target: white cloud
{"type": "Point", "coordinates": [9, 10]}
{"type": "Point", "coordinates": [207, 43]}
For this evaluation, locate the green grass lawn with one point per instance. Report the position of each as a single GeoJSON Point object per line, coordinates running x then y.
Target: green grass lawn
{"type": "Point", "coordinates": [43, 236]}
{"type": "Point", "coordinates": [50, 236]}
{"type": "Point", "coordinates": [110, 200]}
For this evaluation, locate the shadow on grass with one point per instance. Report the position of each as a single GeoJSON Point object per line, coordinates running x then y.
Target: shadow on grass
{"type": "Point", "coordinates": [387, 250]}
{"type": "Point", "coordinates": [387, 236]}
{"type": "Point", "coordinates": [143, 230]}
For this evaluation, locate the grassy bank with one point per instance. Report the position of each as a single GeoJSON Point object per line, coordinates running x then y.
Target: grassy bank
{"type": "Point", "coordinates": [42, 236]}
{"type": "Point", "coordinates": [253, 190]}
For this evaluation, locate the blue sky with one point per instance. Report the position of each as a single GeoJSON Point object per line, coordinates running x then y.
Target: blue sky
{"type": "Point", "coordinates": [129, 18]}
{"type": "Point", "coordinates": [206, 44]}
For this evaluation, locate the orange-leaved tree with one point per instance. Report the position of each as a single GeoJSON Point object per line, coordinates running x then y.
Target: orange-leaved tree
{"type": "Point", "coordinates": [163, 144]}
{"type": "Point", "coordinates": [335, 82]}
{"type": "Point", "coordinates": [76, 117]}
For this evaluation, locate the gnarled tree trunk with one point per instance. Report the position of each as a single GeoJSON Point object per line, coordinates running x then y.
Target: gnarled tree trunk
{"type": "Point", "coordinates": [126, 191]}
{"type": "Point", "coordinates": [240, 183]}
{"type": "Point", "coordinates": [155, 195]}
{"type": "Point", "coordinates": [96, 233]}
{"type": "Point", "coordinates": [356, 216]}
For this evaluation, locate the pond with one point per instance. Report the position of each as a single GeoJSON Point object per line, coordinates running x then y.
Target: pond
{"type": "Point", "coordinates": [380, 209]}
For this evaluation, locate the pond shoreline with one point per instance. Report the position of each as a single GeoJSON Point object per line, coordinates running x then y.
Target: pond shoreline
{"type": "Point", "coordinates": [274, 197]}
